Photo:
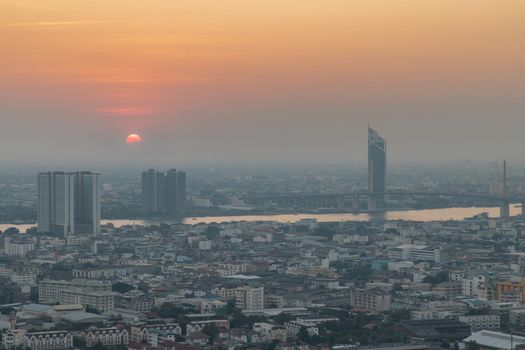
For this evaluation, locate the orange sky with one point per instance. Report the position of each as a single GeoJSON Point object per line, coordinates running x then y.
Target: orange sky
{"type": "Point", "coordinates": [146, 66]}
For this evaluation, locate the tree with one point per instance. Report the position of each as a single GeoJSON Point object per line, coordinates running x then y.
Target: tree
{"type": "Point", "coordinates": [92, 310]}
{"type": "Point", "coordinates": [240, 320]}
{"type": "Point", "coordinates": [169, 310]}
{"type": "Point", "coordinates": [7, 294]}
{"type": "Point", "coordinates": [122, 287]}
{"type": "Point", "coordinates": [79, 342]}
{"type": "Point", "coordinates": [227, 309]}
{"type": "Point", "coordinates": [32, 230]}
{"type": "Point", "coordinates": [212, 232]}
{"type": "Point", "coordinates": [211, 331]}
{"type": "Point", "coordinates": [282, 318]}
{"type": "Point", "coordinates": [143, 287]}
{"type": "Point", "coordinates": [441, 276]}
{"type": "Point", "coordinates": [472, 345]}
{"type": "Point", "coordinates": [6, 310]}
{"type": "Point", "coordinates": [485, 310]}
{"type": "Point", "coordinates": [11, 231]}
{"type": "Point", "coordinates": [392, 231]}
{"type": "Point", "coordinates": [97, 346]}
{"type": "Point", "coordinates": [303, 334]}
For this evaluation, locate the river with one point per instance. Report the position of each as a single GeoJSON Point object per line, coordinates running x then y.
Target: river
{"type": "Point", "coordinates": [426, 215]}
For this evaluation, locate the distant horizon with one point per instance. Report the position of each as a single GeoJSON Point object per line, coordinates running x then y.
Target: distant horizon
{"type": "Point", "coordinates": [260, 82]}
{"type": "Point", "coordinates": [275, 165]}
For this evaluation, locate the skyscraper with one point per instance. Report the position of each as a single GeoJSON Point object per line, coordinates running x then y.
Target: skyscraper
{"type": "Point", "coordinates": [87, 202]}
{"type": "Point", "coordinates": [163, 192]}
{"type": "Point", "coordinates": [172, 190]}
{"type": "Point", "coordinates": [376, 167]}
{"type": "Point", "coordinates": [181, 189]}
{"type": "Point", "coordinates": [68, 203]}
{"type": "Point", "coordinates": [153, 191]}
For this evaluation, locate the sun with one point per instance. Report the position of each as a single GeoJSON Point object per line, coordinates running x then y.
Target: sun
{"type": "Point", "coordinates": [133, 138]}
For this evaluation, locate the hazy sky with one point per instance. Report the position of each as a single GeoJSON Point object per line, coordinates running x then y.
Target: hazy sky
{"type": "Point", "coordinates": [272, 80]}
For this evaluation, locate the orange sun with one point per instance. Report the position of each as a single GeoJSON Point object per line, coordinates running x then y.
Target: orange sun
{"type": "Point", "coordinates": [133, 138]}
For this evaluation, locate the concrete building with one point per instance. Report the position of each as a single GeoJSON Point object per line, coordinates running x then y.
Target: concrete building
{"type": "Point", "coordinates": [53, 340]}
{"type": "Point", "coordinates": [198, 326]}
{"type": "Point", "coordinates": [68, 203]}
{"type": "Point", "coordinates": [370, 299]}
{"type": "Point", "coordinates": [246, 297]}
{"type": "Point", "coordinates": [411, 252]}
{"type": "Point", "coordinates": [470, 286]}
{"type": "Point", "coordinates": [140, 332]}
{"type": "Point", "coordinates": [495, 340]}
{"type": "Point", "coordinates": [153, 191]}
{"type": "Point", "coordinates": [509, 291]}
{"type": "Point", "coordinates": [175, 190]}
{"type": "Point", "coordinates": [163, 192]}
{"type": "Point", "coordinates": [102, 301]}
{"type": "Point", "coordinates": [270, 331]}
{"type": "Point", "coordinates": [18, 246]}
{"type": "Point", "coordinates": [107, 337]}
{"type": "Point", "coordinates": [376, 168]}
{"type": "Point", "coordinates": [49, 291]}
{"type": "Point", "coordinates": [481, 322]}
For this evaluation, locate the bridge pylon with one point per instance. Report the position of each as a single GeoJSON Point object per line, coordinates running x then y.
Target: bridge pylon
{"type": "Point", "coordinates": [504, 211]}
{"type": "Point", "coordinates": [372, 202]}
{"type": "Point", "coordinates": [355, 202]}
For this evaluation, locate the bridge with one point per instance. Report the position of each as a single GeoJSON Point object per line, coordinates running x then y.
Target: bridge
{"type": "Point", "coordinates": [338, 199]}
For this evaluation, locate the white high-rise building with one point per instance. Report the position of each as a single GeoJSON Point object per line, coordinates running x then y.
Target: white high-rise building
{"type": "Point", "coordinates": [68, 203]}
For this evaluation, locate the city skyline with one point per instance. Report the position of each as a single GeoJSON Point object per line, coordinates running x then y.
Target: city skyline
{"type": "Point", "coordinates": [262, 175]}
{"type": "Point", "coordinates": [294, 83]}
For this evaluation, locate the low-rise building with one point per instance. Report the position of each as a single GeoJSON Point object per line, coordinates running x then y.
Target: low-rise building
{"type": "Point", "coordinates": [49, 291]}
{"type": "Point", "coordinates": [102, 301]}
{"type": "Point", "coordinates": [198, 326]}
{"type": "Point", "coordinates": [481, 322]}
{"type": "Point", "coordinates": [370, 299]}
{"type": "Point", "coordinates": [52, 340]}
{"type": "Point", "coordinates": [140, 332]}
{"type": "Point", "coordinates": [18, 245]}
{"type": "Point", "coordinates": [107, 337]}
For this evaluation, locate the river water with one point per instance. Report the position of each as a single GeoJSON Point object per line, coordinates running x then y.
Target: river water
{"type": "Point", "coordinates": [426, 215]}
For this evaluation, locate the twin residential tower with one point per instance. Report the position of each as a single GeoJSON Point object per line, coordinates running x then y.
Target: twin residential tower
{"type": "Point", "coordinates": [163, 192]}
{"type": "Point", "coordinates": [68, 203]}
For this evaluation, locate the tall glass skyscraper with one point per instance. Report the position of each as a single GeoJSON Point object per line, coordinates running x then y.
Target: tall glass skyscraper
{"type": "Point", "coordinates": [68, 203]}
{"type": "Point", "coordinates": [376, 166]}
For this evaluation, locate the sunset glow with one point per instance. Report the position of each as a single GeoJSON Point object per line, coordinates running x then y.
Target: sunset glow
{"type": "Point", "coordinates": [235, 66]}
{"type": "Point", "coordinates": [133, 138]}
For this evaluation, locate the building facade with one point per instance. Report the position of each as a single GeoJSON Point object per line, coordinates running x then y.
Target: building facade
{"type": "Point", "coordinates": [52, 340]}
{"type": "Point", "coordinates": [68, 203]}
{"type": "Point", "coordinates": [107, 337]}
{"type": "Point", "coordinates": [102, 301]}
{"type": "Point", "coordinates": [411, 252]}
{"type": "Point", "coordinates": [370, 299]}
{"type": "Point", "coordinates": [163, 192]}
{"type": "Point", "coordinates": [246, 297]}
{"type": "Point", "coordinates": [376, 167]}
{"type": "Point", "coordinates": [18, 246]}
{"type": "Point", "coordinates": [49, 291]}
{"type": "Point", "coordinates": [481, 322]}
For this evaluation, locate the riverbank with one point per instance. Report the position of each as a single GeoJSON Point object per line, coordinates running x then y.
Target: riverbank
{"type": "Point", "coordinates": [424, 215]}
